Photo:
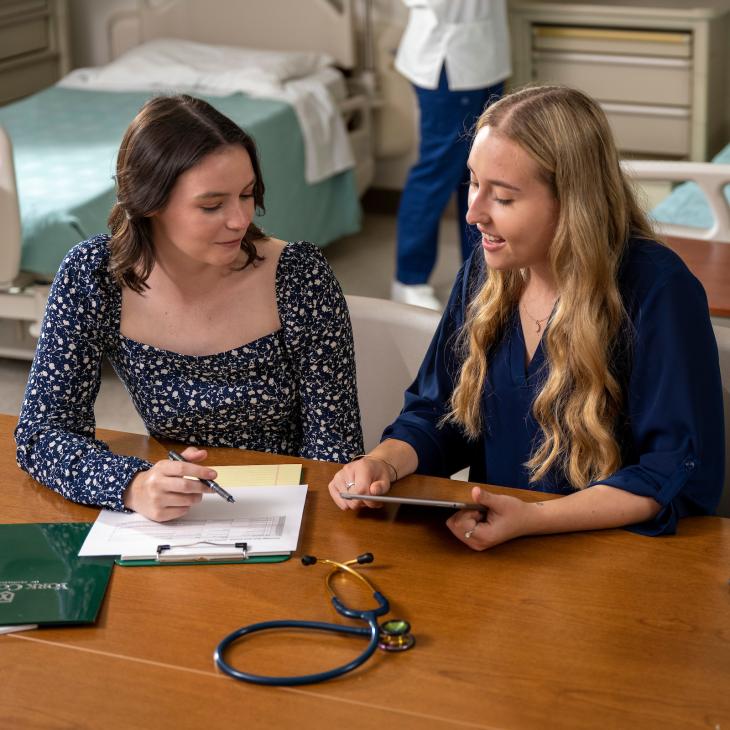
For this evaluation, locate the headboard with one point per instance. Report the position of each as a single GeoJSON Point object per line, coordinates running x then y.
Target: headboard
{"type": "Point", "coordinates": [295, 25]}
{"type": "Point", "coordinates": [104, 30]}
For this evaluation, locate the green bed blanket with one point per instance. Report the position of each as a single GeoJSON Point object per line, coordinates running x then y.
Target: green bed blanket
{"type": "Point", "coordinates": [65, 143]}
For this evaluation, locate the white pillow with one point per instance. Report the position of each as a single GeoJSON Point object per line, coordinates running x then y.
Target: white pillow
{"type": "Point", "coordinates": [170, 62]}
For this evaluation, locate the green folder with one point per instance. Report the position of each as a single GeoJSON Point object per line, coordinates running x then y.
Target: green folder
{"type": "Point", "coordinates": [42, 579]}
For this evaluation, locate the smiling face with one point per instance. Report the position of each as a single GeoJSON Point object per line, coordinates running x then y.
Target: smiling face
{"type": "Point", "coordinates": [510, 203]}
{"type": "Point", "coordinates": [209, 210]}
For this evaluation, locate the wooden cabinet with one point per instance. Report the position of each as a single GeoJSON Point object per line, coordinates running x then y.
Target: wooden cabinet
{"type": "Point", "coordinates": [658, 68]}
{"type": "Point", "coordinates": [33, 46]}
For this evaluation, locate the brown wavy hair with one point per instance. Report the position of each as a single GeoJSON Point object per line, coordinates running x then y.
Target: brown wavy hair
{"type": "Point", "coordinates": [580, 400]}
{"type": "Point", "coordinates": [169, 135]}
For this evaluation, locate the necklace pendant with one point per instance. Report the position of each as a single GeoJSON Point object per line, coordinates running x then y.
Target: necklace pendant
{"type": "Point", "coordinates": [538, 327]}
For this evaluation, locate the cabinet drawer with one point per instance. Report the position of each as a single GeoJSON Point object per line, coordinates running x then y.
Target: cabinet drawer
{"type": "Point", "coordinates": [23, 35]}
{"type": "Point", "coordinates": [621, 41]}
{"type": "Point", "coordinates": [648, 130]}
{"type": "Point", "coordinates": [636, 79]}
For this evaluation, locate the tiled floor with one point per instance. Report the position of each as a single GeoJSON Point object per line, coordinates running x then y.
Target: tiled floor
{"type": "Point", "coordinates": [364, 265]}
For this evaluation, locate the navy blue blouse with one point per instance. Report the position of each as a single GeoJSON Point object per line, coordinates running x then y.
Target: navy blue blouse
{"type": "Point", "coordinates": [671, 434]}
{"type": "Point", "coordinates": [290, 392]}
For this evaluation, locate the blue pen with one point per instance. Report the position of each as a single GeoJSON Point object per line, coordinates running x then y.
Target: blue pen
{"type": "Point", "coordinates": [208, 482]}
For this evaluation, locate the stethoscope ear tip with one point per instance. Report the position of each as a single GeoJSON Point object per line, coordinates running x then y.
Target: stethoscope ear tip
{"type": "Point", "coordinates": [365, 558]}
{"type": "Point", "coordinates": [308, 560]}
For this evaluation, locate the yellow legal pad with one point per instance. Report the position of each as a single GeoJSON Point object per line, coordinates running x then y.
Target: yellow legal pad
{"type": "Point", "coordinates": [269, 475]}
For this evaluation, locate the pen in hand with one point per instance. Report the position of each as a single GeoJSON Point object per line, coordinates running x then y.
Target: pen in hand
{"type": "Point", "coordinates": [208, 482]}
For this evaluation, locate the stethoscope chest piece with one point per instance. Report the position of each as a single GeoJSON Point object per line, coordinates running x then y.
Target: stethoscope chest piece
{"type": "Point", "coordinates": [395, 635]}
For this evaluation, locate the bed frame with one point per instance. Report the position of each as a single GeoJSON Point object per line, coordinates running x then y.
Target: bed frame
{"type": "Point", "coordinates": [327, 26]}
{"type": "Point", "coordinates": [710, 177]}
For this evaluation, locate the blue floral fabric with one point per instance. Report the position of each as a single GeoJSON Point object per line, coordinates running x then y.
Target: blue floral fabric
{"type": "Point", "coordinates": [290, 392]}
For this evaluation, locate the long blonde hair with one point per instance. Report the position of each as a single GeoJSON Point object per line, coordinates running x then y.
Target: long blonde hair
{"type": "Point", "coordinates": [578, 405]}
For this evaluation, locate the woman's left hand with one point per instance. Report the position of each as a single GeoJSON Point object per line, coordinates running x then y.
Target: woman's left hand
{"type": "Point", "coordinates": [506, 518]}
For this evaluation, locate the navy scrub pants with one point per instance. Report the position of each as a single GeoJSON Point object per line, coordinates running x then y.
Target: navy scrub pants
{"type": "Point", "coordinates": [447, 118]}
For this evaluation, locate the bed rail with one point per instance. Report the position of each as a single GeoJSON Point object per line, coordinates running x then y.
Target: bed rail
{"type": "Point", "coordinates": [710, 177]}
{"type": "Point", "coordinates": [22, 301]}
{"type": "Point", "coordinates": [10, 233]}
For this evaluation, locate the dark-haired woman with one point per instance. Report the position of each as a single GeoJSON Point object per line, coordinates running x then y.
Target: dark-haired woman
{"type": "Point", "coordinates": [222, 335]}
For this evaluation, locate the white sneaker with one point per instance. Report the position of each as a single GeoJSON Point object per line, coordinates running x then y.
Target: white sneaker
{"type": "Point", "coordinates": [420, 295]}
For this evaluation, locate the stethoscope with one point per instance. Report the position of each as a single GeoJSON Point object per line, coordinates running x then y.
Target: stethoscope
{"type": "Point", "coordinates": [391, 635]}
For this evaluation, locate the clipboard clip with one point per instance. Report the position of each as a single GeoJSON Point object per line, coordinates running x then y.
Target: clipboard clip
{"type": "Point", "coordinates": [215, 552]}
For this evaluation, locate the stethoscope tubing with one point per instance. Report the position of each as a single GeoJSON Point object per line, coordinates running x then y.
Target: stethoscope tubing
{"type": "Point", "coordinates": [372, 630]}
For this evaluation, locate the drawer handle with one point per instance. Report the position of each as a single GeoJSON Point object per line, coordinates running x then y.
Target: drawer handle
{"type": "Point", "coordinates": [646, 110]}
{"type": "Point", "coordinates": [612, 35]}
{"type": "Point", "coordinates": [613, 60]}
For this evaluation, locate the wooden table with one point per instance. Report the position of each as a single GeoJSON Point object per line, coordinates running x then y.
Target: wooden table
{"type": "Point", "coordinates": [602, 629]}
{"type": "Point", "coordinates": [709, 261]}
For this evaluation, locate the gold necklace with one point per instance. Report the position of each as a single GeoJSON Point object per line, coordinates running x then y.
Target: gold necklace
{"type": "Point", "coordinates": [534, 319]}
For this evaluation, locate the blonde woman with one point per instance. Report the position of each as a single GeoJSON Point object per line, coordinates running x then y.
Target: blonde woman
{"type": "Point", "coordinates": [576, 354]}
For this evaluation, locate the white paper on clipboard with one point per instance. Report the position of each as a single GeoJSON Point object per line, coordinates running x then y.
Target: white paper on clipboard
{"type": "Point", "coordinates": [267, 519]}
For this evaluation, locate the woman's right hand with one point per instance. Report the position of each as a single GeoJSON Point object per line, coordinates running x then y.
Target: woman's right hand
{"type": "Point", "coordinates": [162, 493]}
{"type": "Point", "coordinates": [364, 476]}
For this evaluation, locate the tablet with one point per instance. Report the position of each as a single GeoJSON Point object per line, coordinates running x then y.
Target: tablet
{"type": "Point", "coordinates": [448, 504]}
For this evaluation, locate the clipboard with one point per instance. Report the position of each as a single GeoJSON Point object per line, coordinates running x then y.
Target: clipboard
{"type": "Point", "coordinates": [212, 554]}
{"type": "Point", "coordinates": [261, 526]}
{"type": "Point", "coordinates": [228, 477]}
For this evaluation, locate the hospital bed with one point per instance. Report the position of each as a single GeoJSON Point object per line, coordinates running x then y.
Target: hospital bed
{"type": "Point", "coordinates": [64, 138]}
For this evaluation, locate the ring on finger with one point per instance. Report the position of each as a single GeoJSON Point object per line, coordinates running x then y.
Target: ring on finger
{"type": "Point", "coordinates": [349, 485]}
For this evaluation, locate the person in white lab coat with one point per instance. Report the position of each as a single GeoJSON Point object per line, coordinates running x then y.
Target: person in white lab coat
{"type": "Point", "coordinates": [456, 53]}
